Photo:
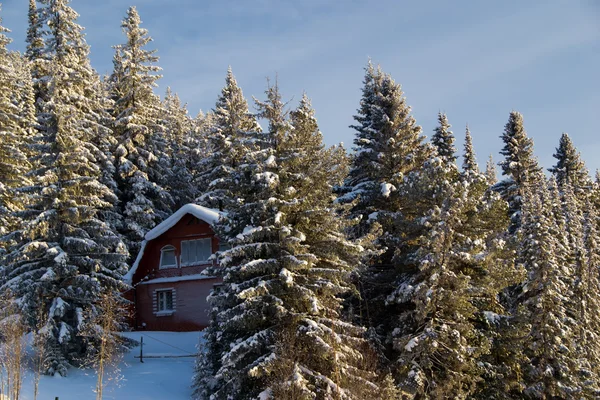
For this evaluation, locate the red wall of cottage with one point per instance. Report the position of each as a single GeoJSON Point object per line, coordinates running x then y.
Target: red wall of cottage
{"type": "Point", "coordinates": [190, 296]}
{"type": "Point", "coordinates": [191, 308]}
{"type": "Point", "coordinates": [183, 230]}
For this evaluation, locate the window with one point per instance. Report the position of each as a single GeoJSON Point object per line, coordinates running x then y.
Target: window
{"type": "Point", "coordinates": [165, 300]}
{"type": "Point", "coordinates": [195, 251]}
{"type": "Point", "coordinates": [167, 257]}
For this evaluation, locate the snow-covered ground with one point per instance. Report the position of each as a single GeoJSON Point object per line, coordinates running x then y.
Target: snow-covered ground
{"type": "Point", "coordinates": [161, 378]}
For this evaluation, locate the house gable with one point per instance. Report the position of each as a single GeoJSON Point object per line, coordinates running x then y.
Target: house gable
{"type": "Point", "coordinates": [168, 288]}
{"type": "Point", "coordinates": [189, 222]}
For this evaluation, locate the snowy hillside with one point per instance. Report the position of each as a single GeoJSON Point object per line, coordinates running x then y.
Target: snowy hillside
{"type": "Point", "coordinates": [162, 378]}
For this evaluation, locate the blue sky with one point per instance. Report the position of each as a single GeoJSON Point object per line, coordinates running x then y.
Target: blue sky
{"type": "Point", "coordinates": [476, 61]}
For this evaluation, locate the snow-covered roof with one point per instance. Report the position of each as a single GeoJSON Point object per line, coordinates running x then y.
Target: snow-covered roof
{"type": "Point", "coordinates": [207, 215]}
{"type": "Point", "coordinates": [195, 277]}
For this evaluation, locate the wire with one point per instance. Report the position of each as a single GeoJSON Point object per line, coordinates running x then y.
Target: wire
{"type": "Point", "coordinates": [185, 351]}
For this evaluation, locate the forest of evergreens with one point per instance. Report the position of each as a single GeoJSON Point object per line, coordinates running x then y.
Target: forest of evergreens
{"type": "Point", "coordinates": [397, 269]}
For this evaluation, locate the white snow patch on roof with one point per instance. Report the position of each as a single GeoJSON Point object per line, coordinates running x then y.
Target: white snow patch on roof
{"type": "Point", "coordinates": [178, 279]}
{"type": "Point", "coordinates": [129, 275]}
{"type": "Point", "coordinates": [207, 215]}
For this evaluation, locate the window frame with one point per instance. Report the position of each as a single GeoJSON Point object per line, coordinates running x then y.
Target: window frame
{"type": "Point", "coordinates": [168, 247]}
{"type": "Point", "coordinates": [159, 301]}
{"type": "Point", "coordinates": [196, 262]}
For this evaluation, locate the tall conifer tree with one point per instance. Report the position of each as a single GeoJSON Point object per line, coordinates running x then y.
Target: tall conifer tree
{"type": "Point", "coordinates": [569, 168]}
{"type": "Point", "coordinates": [519, 166]}
{"type": "Point", "coordinates": [36, 53]}
{"type": "Point", "coordinates": [490, 171]}
{"type": "Point", "coordinates": [144, 201]}
{"type": "Point", "coordinates": [14, 137]}
{"type": "Point", "coordinates": [278, 315]}
{"type": "Point", "coordinates": [179, 129]}
{"type": "Point", "coordinates": [231, 122]}
{"type": "Point", "coordinates": [552, 371]}
{"type": "Point", "coordinates": [469, 158]}
{"type": "Point", "coordinates": [388, 145]}
{"type": "Point", "coordinates": [66, 255]}
{"type": "Point", "coordinates": [443, 139]}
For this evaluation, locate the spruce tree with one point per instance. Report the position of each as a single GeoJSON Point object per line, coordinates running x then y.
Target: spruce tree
{"type": "Point", "coordinates": [179, 128]}
{"type": "Point", "coordinates": [388, 148]}
{"type": "Point", "coordinates": [278, 319]}
{"type": "Point", "coordinates": [444, 333]}
{"type": "Point", "coordinates": [139, 154]}
{"type": "Point", "coordinates": [435, 360]}
{"type": "Point", "coordinates": [15, 136]}
{"type": "Point", "coordinates": [519, 166]}
{"type": "Point", "coordinates": [552, 370]}
{"type": "Point", "coordinates": [588, 299]}
{"type": "Point", "coordinates": [569, 168]}
{"type": "Point", "coordinates": [24, 95]}
{"type": "Point", "coordinates": [66, 256]}
{"type": "Point", "coordinates": [469, 158]}
{"type": "Point", "coordinates": [490, 171]}
{"type": "Point", "coordinates": [105, 143]}
{"type": "Point", "coordinates": [594, 194]}
{"type": "Point", "coordinates": [36, 53]}
{"type": "Point", "coordinates": [443, 139]}
{"type": "Point", "coordinates": [582, 295]}
{"type": "Point", "coordinates": [231, 122]}
{"type": "Point", "coordinates": [388, 145]}
{"type": "Point", "coordinates": [198, 142]}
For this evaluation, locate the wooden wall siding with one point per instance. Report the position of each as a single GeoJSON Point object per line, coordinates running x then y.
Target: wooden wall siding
{"type": "Point", "coordinates": [189, 227]}
{"type": "Point", "coordinates": [189, 297]}
{"type": "Point", "coordinates": [189, 303]}
{"type": "Point", "coordinates": [155, 299]}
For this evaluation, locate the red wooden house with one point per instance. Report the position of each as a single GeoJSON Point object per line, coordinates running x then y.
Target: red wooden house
{"type": "Point", "coordinates": [168, 288]}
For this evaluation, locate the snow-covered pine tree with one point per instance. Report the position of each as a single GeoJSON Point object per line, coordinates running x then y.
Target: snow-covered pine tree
{"type": "Point", "coordinates": [569, 167]}
{"type": "Point", "coordinates": [144, 202]}
{"type": "Point", "coordinates": [594, 195]}
{"type": "Point", "coordinates": [552, 371]}
{"type": "Point", "coordinates": [66, 256]}
{"type": "Point", "coordinates": [449, 300]}
{"type": "Point", "coordinates": [24, 95]}
{"type": "Point", "coordinates": [582, 295]}
{"type": "Point", "coordinates": [231, 122]}
{"type": "Point", "coordinates": [179, 127]}
{"type": "Point", "coordinates": [443, 139]}
{"type": "Point", "coordinates": [566, 218]}
{"type": "Point", "coordinates": [314, 323]}
{"type": "Point", "coordinates": [105, 142]}
{"type": "Point", "coordinates": [486, 253]}
{"type": "Point", "coordinates": [251, 183]}
{"type": "Point", "coordinates": [518, 167]}
{"type": "Point", "coordinates": [36, 53]}
{"type": "Point", "coordinates": [588, 299]}
{"type": "Point", "coordinates": [15, 136]}
{"type": "Point", "coordinates": [278, 320]}
{"type": "Point", "coordinates": [490, 171]}
{"type": "Point", "coordinates": [390, 292]}
{"type": "Point", "coordinates": [388, 145]}
{"type": "Point", "coordinates": [469, 159]}
{"type": "Point", "coordinates": [388, 148]}
{"type": "Point", "coordinates": [197, 141]}
{"type": "Point", "coordinates": [437, 360]}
